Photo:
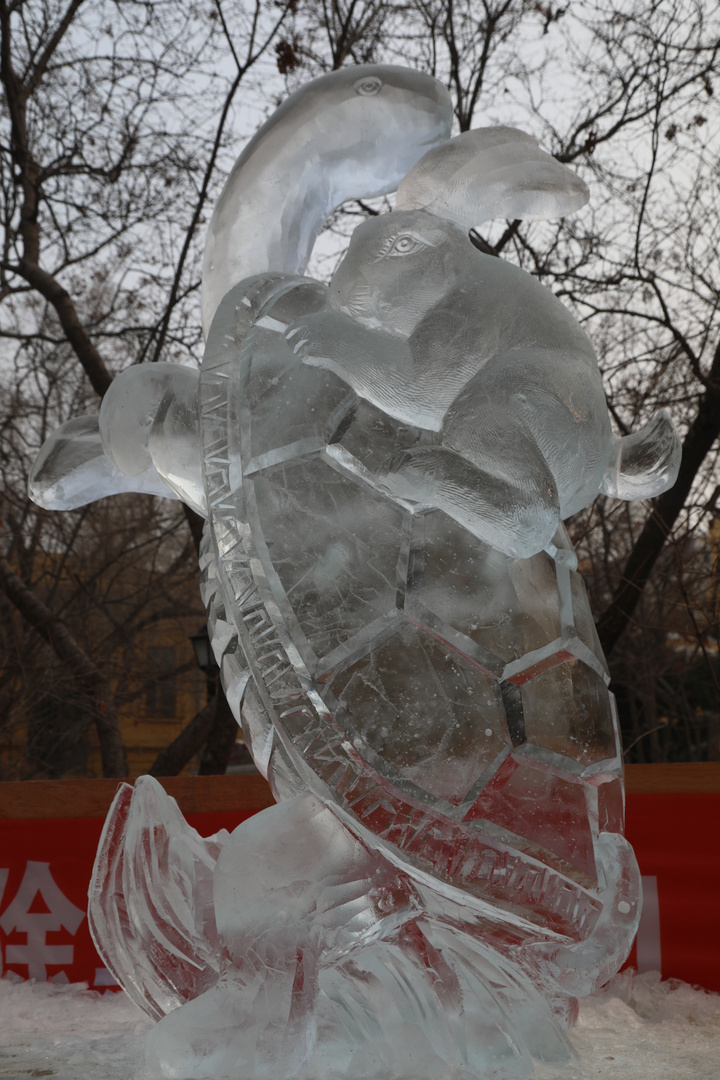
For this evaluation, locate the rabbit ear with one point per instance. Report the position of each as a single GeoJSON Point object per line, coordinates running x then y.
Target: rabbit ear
{"type": "Point", "coordinates": [491, 173]}
{"type": "Point", "coordinates": [72, 470]}
{"type": "Point", "coordinates": [352, 133]}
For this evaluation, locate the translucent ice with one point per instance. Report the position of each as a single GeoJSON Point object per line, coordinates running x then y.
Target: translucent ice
{"type": "Point", "coordinates": [145, 439]}
{"type": "Point", "coordinates": [353, 135]}
{"type": "Point", "coordinates": [496, 172]}
{"type": "Point", "coordinates": [395, 607]}
{"type": "Point", "coordinates": [150, 901]}
{"type": "Point", "coordinates": [72, 469]}
{"type": "Point", "coordinates": [148, 419]}
{"type": "Point", "coordinates": [439, 335]}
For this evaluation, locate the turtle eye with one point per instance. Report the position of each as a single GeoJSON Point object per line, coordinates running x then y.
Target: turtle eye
{"type": "Point", "coordinates": [369, 86]}
{"type": "Point", "coordinates": [406, 244]}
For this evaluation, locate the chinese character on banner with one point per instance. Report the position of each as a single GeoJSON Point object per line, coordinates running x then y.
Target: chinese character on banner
{"type": "Point", "coordinates": [38, 908]}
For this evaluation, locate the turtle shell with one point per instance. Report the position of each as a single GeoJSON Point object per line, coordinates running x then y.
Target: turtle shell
{"type": "Point", "coordinates": [450, 703]}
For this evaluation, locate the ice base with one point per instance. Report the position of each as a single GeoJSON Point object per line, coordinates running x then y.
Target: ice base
{"type": "Point", "coordinates": [635, 1028]}
{"type": "Point", "coordinates": [292, 949]}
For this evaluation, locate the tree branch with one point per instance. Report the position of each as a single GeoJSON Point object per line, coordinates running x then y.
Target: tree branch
{"type": "Point", "coordinates": [75, 332]}
{"type": "Point", "coordinates": [698, 442]}
{"type": "Point", "coordinates": [41, 67]}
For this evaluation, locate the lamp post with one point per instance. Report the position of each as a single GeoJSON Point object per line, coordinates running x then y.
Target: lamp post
{"type": "Point", "coordinates": [205, 660]}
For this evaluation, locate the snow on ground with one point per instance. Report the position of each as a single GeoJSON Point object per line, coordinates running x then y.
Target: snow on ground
{"type": "Point", "coordinates": [67, 1032]}
{"type": "Point", "coordinates": [641, 1028]}
{"type": "Point", "coordinates": [636, 1028]}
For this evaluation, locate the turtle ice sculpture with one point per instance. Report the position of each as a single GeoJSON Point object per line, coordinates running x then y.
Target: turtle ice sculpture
{"type": "Point", "coordinates": [384, 465]}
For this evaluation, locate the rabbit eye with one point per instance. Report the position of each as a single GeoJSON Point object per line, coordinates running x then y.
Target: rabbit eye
{"type": "Point", "coordinates": [369, 86]}
{"type": "Point", "coordinates": [406, 245]}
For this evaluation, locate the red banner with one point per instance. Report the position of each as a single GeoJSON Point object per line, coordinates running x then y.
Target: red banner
{"type": "Point", "coordinates": [45, 866]}
{"type": "Point", "coordinates": [676, 842]}
{"type": "Point", "coordinates": [45, 869]}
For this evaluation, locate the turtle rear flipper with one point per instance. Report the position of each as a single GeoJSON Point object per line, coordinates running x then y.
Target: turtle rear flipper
{"type": "Point", "coordinates": [150, 901]}
{"type": "Point", "coordinates": [646, 463]}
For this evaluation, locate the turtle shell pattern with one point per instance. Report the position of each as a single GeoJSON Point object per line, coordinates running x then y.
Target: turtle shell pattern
{"type": "Point", "coordinates": [448, 702]}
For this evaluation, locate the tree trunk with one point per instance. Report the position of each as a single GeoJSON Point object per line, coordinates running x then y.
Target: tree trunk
{"type": "Point", "coordinates": [216, 755]}
{"type": "Point", "coordinates": [175, 757]}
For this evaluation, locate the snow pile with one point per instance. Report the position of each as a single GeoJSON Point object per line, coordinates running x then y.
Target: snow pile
{"type": "Point", "coordinates": [641, 1028]}
{"type": "Point", "coordinates": [635, 1028]}
{"type": "Point", "coordinates": [68, 1032]}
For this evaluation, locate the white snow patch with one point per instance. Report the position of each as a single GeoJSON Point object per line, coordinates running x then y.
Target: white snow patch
{"type": "Point", "coordinates": [636, 1028]}
{"type": "Point", "coordinates": [67, 1032]}
{"type": "Point", "coordinates": [641, 1028]}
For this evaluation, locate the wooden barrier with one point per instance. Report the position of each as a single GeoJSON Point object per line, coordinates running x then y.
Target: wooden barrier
{"type": "Point", "coordinates": [694, 778]}
{"type": "Point", "coordinates": [31, 799]}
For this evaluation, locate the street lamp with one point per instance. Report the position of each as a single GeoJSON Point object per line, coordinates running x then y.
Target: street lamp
{"type": "Point", "coordinates": [205, 659]}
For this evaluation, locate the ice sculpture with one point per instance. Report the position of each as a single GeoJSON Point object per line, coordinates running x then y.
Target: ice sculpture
{"type": "Point", "coordinates": [397, 613]}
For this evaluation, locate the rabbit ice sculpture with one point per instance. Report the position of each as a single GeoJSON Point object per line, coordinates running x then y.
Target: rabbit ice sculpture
{"type": "Point", "coordinates": [384, 465]}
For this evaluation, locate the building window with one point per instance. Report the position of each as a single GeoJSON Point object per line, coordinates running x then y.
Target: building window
{"type": "Point", "coordinates": [161, 690]}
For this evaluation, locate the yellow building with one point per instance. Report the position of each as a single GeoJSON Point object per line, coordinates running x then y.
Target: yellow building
{"type": "Point", "coordinates": [123, 582]}
{"type": "Point", "coordinates": [160, 691]}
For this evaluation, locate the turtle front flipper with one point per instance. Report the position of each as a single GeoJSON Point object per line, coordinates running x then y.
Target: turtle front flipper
{"type": "Point", "coordinates": [72, 470]}
{"type": "Point", "coordinates": [146, 439]}
{"type": "Point", "coordinates": [149, 419]}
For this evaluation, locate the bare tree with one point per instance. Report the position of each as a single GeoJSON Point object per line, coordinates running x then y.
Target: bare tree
{"type": "Point", "coordinates": [642, 272]}
{"type": "Point", "coordinates": [120, 118]}
{"type": "Point", "coordinates": [116, 117]}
